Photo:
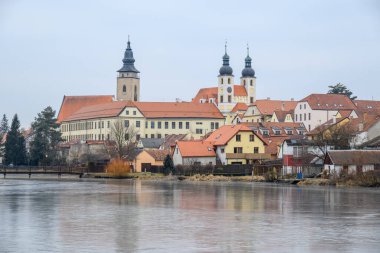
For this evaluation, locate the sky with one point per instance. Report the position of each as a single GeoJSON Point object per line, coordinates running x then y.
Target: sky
{"type": "Point", "coordinates": [49, 49]}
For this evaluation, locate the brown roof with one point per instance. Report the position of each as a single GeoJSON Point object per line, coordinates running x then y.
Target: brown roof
{"type": "Point", "coordinates": [71, 104]}
{"type": "Point", "coordinates": [369, 106]}
{"type": "Point", "coordinates": [178, 110]}
{"type": "Point", "coordinates": [354, 157]}
{"type": "Point", "coordinates": [240, 107]}
{"type": "Point", "coordinates": [157, 154]}
{"type": "Point", "coordinates": [329, 102]}
{"type": "Point", "coordinates": [267, 106]}
{"type": "Point", "coordinates": [281, 115]}
{"type": "Point", "coordinates": [171, 139]}
{"type": "Point", "coordinates": [196, 148]}
{"type": "Point", "coordinates": [149, 110]}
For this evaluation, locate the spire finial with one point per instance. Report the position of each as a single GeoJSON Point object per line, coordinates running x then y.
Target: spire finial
{"type": "Point", "coordinates": [225, 47]}
{"type": "Point", "coordinates": [129, 43]}
{"type": "Point", "coordinates": [247, 49]}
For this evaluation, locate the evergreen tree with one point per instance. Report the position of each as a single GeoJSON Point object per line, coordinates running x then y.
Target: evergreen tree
{"type": "Point", "coordinates": [4, 128]}
{"type": "Point", "coordinates": [168, 165]}
{"type": "Point", "coordinates": [340, 88]}
{"type": "Point", "coordinates": [15, 151]}
{"type": "Point", "coordinates": [46, 136]}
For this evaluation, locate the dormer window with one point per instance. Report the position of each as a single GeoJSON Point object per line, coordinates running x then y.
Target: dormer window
{"type": "Point", "coordinates": [265, 132]}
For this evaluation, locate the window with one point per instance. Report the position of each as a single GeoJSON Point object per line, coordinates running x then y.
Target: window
{"type": "Point", "coordinates": [166, 125]}
{"type": "Point", "coordinates": [134, 112]}
{"type": "Point", "coordinates": [135, 93]}
{"type": "Point", "coordinates": [300, 107]}
{"type": "Point", "coordinates": [304, 116]}
{"type": "Point", "coordinates": [102, 124]}
{"type": "Point", "coordinates": [251, 100]}
{"type": "Point", "coordinates": [127, 112]}
{"type": "Point", "coordinates": [173, 125]}
{"type": "Point", "coordinates": [238, 137]}
{"type": "Point", "coordinates": [309, 116]}
{"type": "Point", "coordinates": [159, 136]}
{"type": "Point", "coordinates": [212, 125]}
{"type": "Point", "coordinates": [146, 135]}
{"type": "Point", "coordinates": [108, 124]}
{"type": "Point", "coordinates": [199, 123]}
{"type": "Point", "coordinates": [222, 150]}
{"type": "Point", "coordinates": [108, 136]}
{"type": "Point", "coordinates": [221, 80]}
{"type": "Point", "coordinates": [138, 123]}
{"type": "Point", "coordinates": [229, 98]}
{"type": "Point", "coordinates": [152, 124]}
{"type": "Point", "coordinates": [126, 123]}
{"type": "Point", "coordinates": [229, 80]}
{"type": "Point", "coordinates": [309, 128]}
{"type": "Point", "coordinates": [221, 99]}
{"type": "Point", "coordinates": [187, 125]}
{"type": "Point", "coordinates": [146, 124]}
{"type": "Point", "coordinates": [152, 136]}
{"type": "Point", "coordinates": [124, 88]}
{"type": "Point", "coordinates": [289, 132]}
{"type": "Point", "coordinates": [244, 82]}
{"type": "Point", "coordinates": [251, 82]}
{"type": "Point", "coordinates": [255, 150]}
{"type": "Point", "coordinates": [198, 131]}
{"type": "Point", "coordinates": [180, 125]}
{"type": "Point", "coordinates": [296, 118]}
{"type": "Point", "coordinates": [126, 137]}
{"type": "Point", "coordinates": [304, 106]}
{"type": "Point", "coordinates": [238, 150]}
{"type": "Point", "coordinates": [277, 132]}
{"type": "Point", "coordinates": [252, 137]}
{"type": "Point", "coordinates": [159, 124]}
{"type": "Point", "coordinates": [300, 117]}
{"type": "Point", "coordinates": [216, 125]}
{"type": "Point", "coordinates": [138, 137]}
{"type": "Point", "coordinates": [265, 132]}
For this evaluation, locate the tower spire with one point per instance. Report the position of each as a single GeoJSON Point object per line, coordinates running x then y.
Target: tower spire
{"type": "Point", "coordinates": [128, 60]}
{"type": "Point", "coordinates": [225, 69]}
{"type": "Point", "coordinates": [248, 71]}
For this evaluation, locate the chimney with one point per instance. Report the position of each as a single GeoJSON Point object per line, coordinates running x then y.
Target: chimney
{"type": "Point", "coordinates": [282, 106]}
{"type": "Point", "coordinates": [292, 99]}
{"type": "Point", "coordinates": [365, 117]}
{"type": "Point", "coordinates": [268, 98]}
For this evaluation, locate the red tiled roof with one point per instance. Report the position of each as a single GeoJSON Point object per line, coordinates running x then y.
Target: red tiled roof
{"type": "Point", "coordinates": [149, 110]}
{"type": "Point", "coordinates": [239, 90]}
{"type": "Point", "coordinates": [206, 93]}
{"type": "Point", "coordinates": [196, 149]}
{"type": "Point", "coordinates": [225, 133]}
{"type": "Point", "coordinates": [71, 104]}
{"type": "Point", "coordinates": [329, 102]}
{"type": "Point", "coordinates": [267, 106]}
{"type": "Point", "coordinates": [281, 115]}
{"type": "Point", "coordinates": [240, 107]}
{"type": "Point", "coordinates": [178, 110]}
{"type": "Point", "coordinates": [369, 106]}
{"type": "Point", "coordinates": [354, 157]}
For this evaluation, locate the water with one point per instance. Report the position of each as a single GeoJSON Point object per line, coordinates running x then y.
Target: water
{"type": "Point", "coordinates": [72, 215]}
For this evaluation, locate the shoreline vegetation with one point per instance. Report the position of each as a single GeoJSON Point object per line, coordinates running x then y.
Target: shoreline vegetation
{"type": "Point", "coordinates": [363, 180]}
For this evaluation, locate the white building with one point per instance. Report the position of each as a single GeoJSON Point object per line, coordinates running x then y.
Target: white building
{"type": "Point", "coordinates": [194, 153]}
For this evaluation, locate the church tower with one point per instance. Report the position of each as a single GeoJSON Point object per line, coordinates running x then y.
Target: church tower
{"type": "Point", "coordinates": [128, 80]}
{"type": "Point", "coordinates": [225, 84]}
{"type": "Point", "coordinates": [248, 79]}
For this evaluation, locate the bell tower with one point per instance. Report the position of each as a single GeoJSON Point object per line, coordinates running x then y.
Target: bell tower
{"type": "Point", "coordinates": [225, 84]}
{"type": "Point", "coordinates": [248, 79]}
{"type": "Point", "coordinates": [128, 79]}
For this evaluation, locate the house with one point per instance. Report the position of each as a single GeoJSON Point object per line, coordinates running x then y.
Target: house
{"type": "Point", "coordinates": [282, 116]}
{"type": "Point", "coordinates": [316, 109]}
{"type": "Point", "coordinates": [148, 158]}
{"type": "Point", "coordinates": [263, 109]}
{"type": "Point", "coordinates": [351, 161]}
{"type": "Point", "coordinates": [196, 152]}
{"type": "Point", "coordinates": [237, 144]}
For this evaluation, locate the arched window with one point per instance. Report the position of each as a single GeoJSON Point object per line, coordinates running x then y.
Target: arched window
{"type": "Point", "coordinates": [229, 80]}
{"type": "Point", "coordinates": [124, 88]}
{"type": "Point", "coordinates": [222, 80]}
{"type": "Point", "coordinates": [251, 82]}
{"type": "Point", "coordinates": [135, 94]}
{"type": "Point", "coordinates": [244, 82]}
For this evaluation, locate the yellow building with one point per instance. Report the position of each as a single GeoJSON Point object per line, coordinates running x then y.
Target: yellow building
{"type": "Point", "coordinates": [237, 144]}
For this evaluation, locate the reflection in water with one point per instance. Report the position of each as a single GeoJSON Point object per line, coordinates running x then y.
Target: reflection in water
{"type": "Point", "coordinates": [72, 215]}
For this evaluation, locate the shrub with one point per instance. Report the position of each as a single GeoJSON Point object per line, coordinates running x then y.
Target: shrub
{"type": "Point", "coordinates": [271, 175]}
{"type": "Point", "coordinates": [118, 168]}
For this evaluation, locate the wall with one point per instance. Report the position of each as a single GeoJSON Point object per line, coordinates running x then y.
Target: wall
{"type": "Point", "coordinates": [245, 143]}
{"type": "Point", "coordinates": [202, 160]}
{"type": "Point", "coordinates": [144, 157]}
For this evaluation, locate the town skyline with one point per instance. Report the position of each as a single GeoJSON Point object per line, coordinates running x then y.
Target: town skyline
{"type": "Point", "coordinates": [52, 56]}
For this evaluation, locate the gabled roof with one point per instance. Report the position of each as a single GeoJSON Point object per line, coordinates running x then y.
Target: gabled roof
{"type": "Point", "coordinates": [196, 148]}
{"type": "Point", "coordinates": [206, 93]}
{"type": "Point", "coordinates": [151, 142]}
{"type": "Point", "coordinates": [157, 154]}
{"type": "Point", "coordinates": [149, 110]}
{"type": "Point", "coordinates": [281, 115]}
{"type": "Point", "coordinates": [369, 106]}
{"type": "Point", "coordinates": [329, 102]}
{"type": "Point", "coordinates": [268, 107]}
{"type": "Point", "coordinates": [239, 90]}
{"type": "Point", "coordinates": [239, 107]}
{"type": "Point", "coordinates": [171, 139]}
{"type": "Point", "coordinates": [72, 104]}
{"type": "Point", "coordinates": [225, 133]}
{"type": "Point", "coordinates": [354, 157]}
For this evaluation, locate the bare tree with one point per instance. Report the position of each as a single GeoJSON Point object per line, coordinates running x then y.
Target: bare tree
{"type": "Point", "coordinates": [124, 136]}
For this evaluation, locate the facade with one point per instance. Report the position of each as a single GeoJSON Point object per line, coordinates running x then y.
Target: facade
{"type": "Point", "coordinates": [351, 161]}
{"type": "Point", "coordinates": [147, 158]}
{"type": "Point", "coordinates": [196, 152]}
{"type": "Point", "coordinates": [227, 94]}
{"type": "Point", "coordinates": [237, 144]}
{"type": "Point", "coordinates": [146, 119]}
{"type": "Point", "coordinates": [316, 109]}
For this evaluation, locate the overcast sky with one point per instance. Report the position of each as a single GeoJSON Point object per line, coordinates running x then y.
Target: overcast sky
{"type": "Point", "coordinates": [49, 49]}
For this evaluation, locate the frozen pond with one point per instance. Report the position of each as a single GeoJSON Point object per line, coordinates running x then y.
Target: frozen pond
{"type": "Point", "coordinates": [72, 215]}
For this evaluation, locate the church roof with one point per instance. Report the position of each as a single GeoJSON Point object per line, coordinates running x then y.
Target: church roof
{"type": "Point", "coordinates": [212, 92]}
{"type": "Point", "coordinates": [128, 61]}
{"type": "Point", "coordinates": [72, 104]}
